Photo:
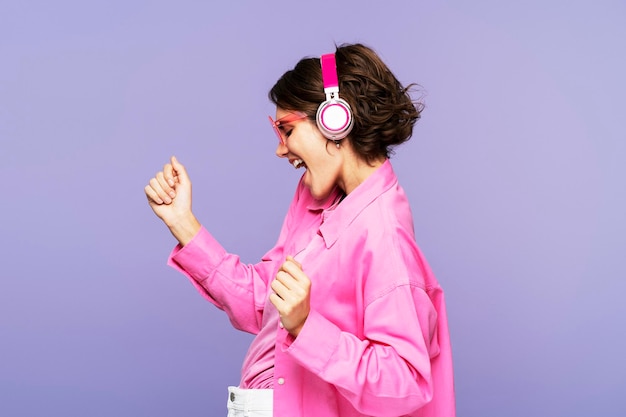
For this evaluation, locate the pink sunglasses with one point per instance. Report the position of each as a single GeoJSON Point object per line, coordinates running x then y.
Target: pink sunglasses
{"type": "Point", "coordinates": [290, 118]}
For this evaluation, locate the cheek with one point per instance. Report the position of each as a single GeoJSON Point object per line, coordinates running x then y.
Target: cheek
{"type": "Point", "coordinates": [322, 165]}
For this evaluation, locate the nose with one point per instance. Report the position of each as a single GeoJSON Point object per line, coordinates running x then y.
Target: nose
{"type": "Point", "coordinates": [281, 150]}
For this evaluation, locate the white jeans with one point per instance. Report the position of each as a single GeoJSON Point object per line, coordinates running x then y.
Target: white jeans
{"type": "Point", "coordinates": [250, 402]}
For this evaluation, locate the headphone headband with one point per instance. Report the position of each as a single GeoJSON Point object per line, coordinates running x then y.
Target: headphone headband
{"type": "Point", "coordinates": [329, 72]}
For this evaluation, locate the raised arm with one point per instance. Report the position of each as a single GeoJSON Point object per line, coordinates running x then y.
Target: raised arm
{"type": "Point", "coordinates": [169, 196]}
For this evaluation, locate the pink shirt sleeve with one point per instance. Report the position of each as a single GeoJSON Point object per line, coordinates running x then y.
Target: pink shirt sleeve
{"type": "Point", "coordinates": [237, 288]}
{"type": "Point", "coordinates": [389, 372]}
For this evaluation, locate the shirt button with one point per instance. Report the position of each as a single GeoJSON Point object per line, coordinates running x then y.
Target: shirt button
{"type": "Point", "coordinates": [281, 381]}
{"type": "Point", "coordinates": [280, 324]}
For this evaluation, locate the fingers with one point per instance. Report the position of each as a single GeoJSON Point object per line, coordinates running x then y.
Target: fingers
{"type": "Point", "coordinates": [161, 188]}
{"type": "Point", "coordinates": [152, 195]}
{"type": "Point", "coordinates": [180, 171]}
{"type": "Point", "coordinates": [291, 296]}
{"type": "Point", "coordinates": [159, 191]}
{"type": "Point", "coordinates": [289, 285]}
{"type": "Point", "coordinates": [293, 278]}
{"type": "Point", "coordinates": [164, 182]}
{"type": "Point", "coordinates": [292, 260]}
{"type": "Point", "coordinates": [291, 281]}
{"type": "Point", "coordinates": [280, 288]}
{"type": "Point", "coordinates": [169, 174]}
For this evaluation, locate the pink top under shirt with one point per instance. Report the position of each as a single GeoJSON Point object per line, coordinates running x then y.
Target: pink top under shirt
{"type": "Point", "coordinates": [376, 341]}
{"type": "Point", "coordinates": [258, 366]}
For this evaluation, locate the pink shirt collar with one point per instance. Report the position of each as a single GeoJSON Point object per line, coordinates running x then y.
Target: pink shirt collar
{"type": "Point", "coordinates": [343, 214]}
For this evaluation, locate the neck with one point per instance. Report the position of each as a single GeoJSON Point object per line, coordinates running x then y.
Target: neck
{"type": "Point", "coordinates": [357, 170]}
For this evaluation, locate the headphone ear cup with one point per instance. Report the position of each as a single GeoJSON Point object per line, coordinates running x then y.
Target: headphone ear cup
{"type": "Point", "coordinates": [334, 119]}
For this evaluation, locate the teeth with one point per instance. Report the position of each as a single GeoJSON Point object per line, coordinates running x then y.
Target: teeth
{"type": "Point", "coordinates": [297, 163]}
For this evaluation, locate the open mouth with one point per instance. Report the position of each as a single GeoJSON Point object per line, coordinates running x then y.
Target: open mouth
{"type": "Point", "coordinates": [298, 163]}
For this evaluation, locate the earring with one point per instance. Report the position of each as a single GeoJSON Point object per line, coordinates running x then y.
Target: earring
{"type": "Point", "coordinates": [337, 144]}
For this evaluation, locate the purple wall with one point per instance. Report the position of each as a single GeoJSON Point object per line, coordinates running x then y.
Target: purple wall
{"type": "Point", "coordinates": [515, 173]}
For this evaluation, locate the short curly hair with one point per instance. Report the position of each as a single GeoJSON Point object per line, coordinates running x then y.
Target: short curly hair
{"type": "Point", "coordinates": [384, 112]}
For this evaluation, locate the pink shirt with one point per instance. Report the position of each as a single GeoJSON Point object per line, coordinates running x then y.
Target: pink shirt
{"type": "Point", "coordinates": [376, 342]}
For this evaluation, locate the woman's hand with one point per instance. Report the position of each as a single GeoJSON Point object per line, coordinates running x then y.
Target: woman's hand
{"type": "Point", "coordinates": [169, 196]}
{"type": "Point", "coordinates": [292, 294]}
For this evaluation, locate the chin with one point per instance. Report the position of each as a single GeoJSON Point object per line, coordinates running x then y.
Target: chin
{"type": "Point", "coordinates": [320, 194]}
{"type": "Point", "coordinates": [318, 190]}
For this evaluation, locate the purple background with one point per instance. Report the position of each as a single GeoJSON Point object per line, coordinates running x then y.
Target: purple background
{"type": "Point", "coordinates": [515, 174]}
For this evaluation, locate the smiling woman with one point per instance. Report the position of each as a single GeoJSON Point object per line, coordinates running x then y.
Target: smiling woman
{"type": "Point", "coordinates": [348, 317]}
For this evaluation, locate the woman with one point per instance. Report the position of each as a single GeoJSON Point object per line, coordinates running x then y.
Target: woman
{"type": "Point", "coordinates": [350, 321]}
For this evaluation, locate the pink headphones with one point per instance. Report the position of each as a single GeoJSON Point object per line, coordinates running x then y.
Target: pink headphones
{"type": "Point", "coordinates": [334, 116]}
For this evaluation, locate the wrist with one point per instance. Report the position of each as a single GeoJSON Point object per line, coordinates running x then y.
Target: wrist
{"type": "Point", "coordinates": [296, 330]}
{"type": "Point", "coordinates": [184, 228]}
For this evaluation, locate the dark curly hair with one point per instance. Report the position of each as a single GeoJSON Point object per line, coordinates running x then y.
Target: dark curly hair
{"type": "Point", "coordinates": [384, 113]}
